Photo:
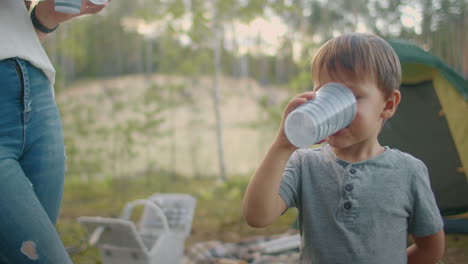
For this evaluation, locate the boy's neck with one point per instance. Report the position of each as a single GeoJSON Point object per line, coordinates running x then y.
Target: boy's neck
{"type": "Point", "coordinates": [358, 152]}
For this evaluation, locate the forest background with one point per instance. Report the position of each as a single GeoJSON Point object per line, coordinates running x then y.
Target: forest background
{"type": "Point", "coordinates": [186, 96]}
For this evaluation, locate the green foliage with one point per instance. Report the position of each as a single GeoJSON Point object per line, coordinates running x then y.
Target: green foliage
{"type": "Point", "coordinates": [104, 45]}
{"type": "Point", "coordinates": [115, 141]}
{"type": "Point", "coordinates": [232, 189]}
{"type": "Point", "coordinates": [252, 9]}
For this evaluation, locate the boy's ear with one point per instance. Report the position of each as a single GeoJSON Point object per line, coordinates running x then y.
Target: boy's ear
{"type": "Point", "coordinates": [391, 105]}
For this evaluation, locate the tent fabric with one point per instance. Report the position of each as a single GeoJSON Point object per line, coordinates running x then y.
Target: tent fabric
{"type": "Point", "coordinates": [419, 129]}
{"type": "Point", "coordinates": [456, 226]}
{"type": "Point", "coordinates": [431, 122]}
{"type": "Point", "coordinates": [452, 89]}
{"type": "Point", "coordinates": [409, 53]}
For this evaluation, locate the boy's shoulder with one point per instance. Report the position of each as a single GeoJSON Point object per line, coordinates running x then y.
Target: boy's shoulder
{"type": "Point", "coordinates": [403, 158]}
{"type": "Point", "coordinates": [404, 163]}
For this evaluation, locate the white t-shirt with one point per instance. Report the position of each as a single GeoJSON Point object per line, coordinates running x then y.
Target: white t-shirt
{"type": "Point", "coordinates": [18, 37]}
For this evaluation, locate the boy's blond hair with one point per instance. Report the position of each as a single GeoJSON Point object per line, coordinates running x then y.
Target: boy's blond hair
{"type": "Point", "coordinates": [362, 57]}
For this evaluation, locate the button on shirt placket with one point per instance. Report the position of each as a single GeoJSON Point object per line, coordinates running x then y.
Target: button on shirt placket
{"type": "Point", "coordinates": [347, 206]}
{"type": "Point", "coordinates": [349, 186]}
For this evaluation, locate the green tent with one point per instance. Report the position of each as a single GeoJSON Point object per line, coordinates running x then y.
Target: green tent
{"type": "Point", "coordinates": [432, 123]}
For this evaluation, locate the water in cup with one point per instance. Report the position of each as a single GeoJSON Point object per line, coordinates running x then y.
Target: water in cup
{"type": "Point", "coordinates": [333, 109]}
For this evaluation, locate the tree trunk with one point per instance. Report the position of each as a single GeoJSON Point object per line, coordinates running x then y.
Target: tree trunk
{"type": "Point", "coordinates": [236, 63]}
{"type": "Point", "coordinates": [462, 51]}
{"type": "Point", "coordinates": [149, 57]}
{"type": "Point", "coordinates": [464, 45]}
{"type": "Point", "coordinates": [426, 23]}
{"type": "Point", "coordinates": [216, 93]}
{"type": "Point", "coordinates": [172, 119]}
{"type": "Point", "coordinates": [194, 144]}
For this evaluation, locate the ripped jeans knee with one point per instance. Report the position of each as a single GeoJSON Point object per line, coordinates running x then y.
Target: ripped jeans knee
{"type": "Point", "coordinates": [28, 248]}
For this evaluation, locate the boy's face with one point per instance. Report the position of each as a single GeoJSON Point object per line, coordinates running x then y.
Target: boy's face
{"type": "Point", "coordinates": [372, 110]}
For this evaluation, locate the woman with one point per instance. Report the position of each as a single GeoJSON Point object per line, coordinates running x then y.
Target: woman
{"type": "Point", "coordinates": [32, 156]}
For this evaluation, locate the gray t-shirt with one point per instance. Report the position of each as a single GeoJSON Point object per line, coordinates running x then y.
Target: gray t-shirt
{"type": "Point", "coordinates": [359, 212]}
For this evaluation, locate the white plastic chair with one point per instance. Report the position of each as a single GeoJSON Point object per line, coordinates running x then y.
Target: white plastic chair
{"type": "Point", "coordinates": [156, 242]}
{"type": "Point", "coordinates": [178, 208]}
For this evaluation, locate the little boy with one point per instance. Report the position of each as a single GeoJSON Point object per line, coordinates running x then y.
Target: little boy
{"type": "Point", "coordinates": [357, 200]}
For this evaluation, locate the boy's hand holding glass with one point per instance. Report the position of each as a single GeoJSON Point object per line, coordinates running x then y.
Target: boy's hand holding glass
{"type": "Point", "coordinates": [332, 110]}
{"type": "Point", "coordinates": [281, 139]}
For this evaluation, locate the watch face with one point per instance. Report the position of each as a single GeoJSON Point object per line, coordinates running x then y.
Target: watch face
{"type": "Point", "coordinates": [98, 2]}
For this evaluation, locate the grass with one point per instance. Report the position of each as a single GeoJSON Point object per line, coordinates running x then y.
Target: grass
{"type": "Point", "coordinates": [217, 217]}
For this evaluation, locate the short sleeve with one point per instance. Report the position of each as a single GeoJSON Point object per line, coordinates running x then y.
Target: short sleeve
{"type": "Point", "coordinates": [425, 217]}
{"type": "Point", "coordinates": [289, 188]}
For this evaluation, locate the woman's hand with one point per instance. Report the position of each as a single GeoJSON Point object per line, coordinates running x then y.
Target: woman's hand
{"type": "Point", "coordinates": [46, 14]}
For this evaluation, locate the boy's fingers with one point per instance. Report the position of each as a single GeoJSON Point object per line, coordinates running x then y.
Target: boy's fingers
{"type": "Point", "coordinates": [294, 103]}
{"type": "Point", "coordinates": [308, 95]}
{"type": "Point", "coordinates": [302, 98]}
{"type": "Point", "coordinates": [298, 100]}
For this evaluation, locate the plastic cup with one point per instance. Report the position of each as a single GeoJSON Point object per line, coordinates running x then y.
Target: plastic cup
{"type": "Point", "coordinates": [68, 6]}
{"type": "Point", "coordinates": [98, 2]}
{"type": "Point", "coordinates": [333, 109]}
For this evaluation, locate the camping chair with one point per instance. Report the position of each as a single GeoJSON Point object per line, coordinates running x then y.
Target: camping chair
{"type": "Point", "coordinates": [178, 209]}
{"type": "Point", "coordinates": [120, 242]}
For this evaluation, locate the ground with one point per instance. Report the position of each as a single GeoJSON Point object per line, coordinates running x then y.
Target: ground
{"type": "Point", "coordinates": [218, 212]}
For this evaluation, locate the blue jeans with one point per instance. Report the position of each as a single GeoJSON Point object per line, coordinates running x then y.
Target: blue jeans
{"type": "Point", "coordinates": [32, 166]}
